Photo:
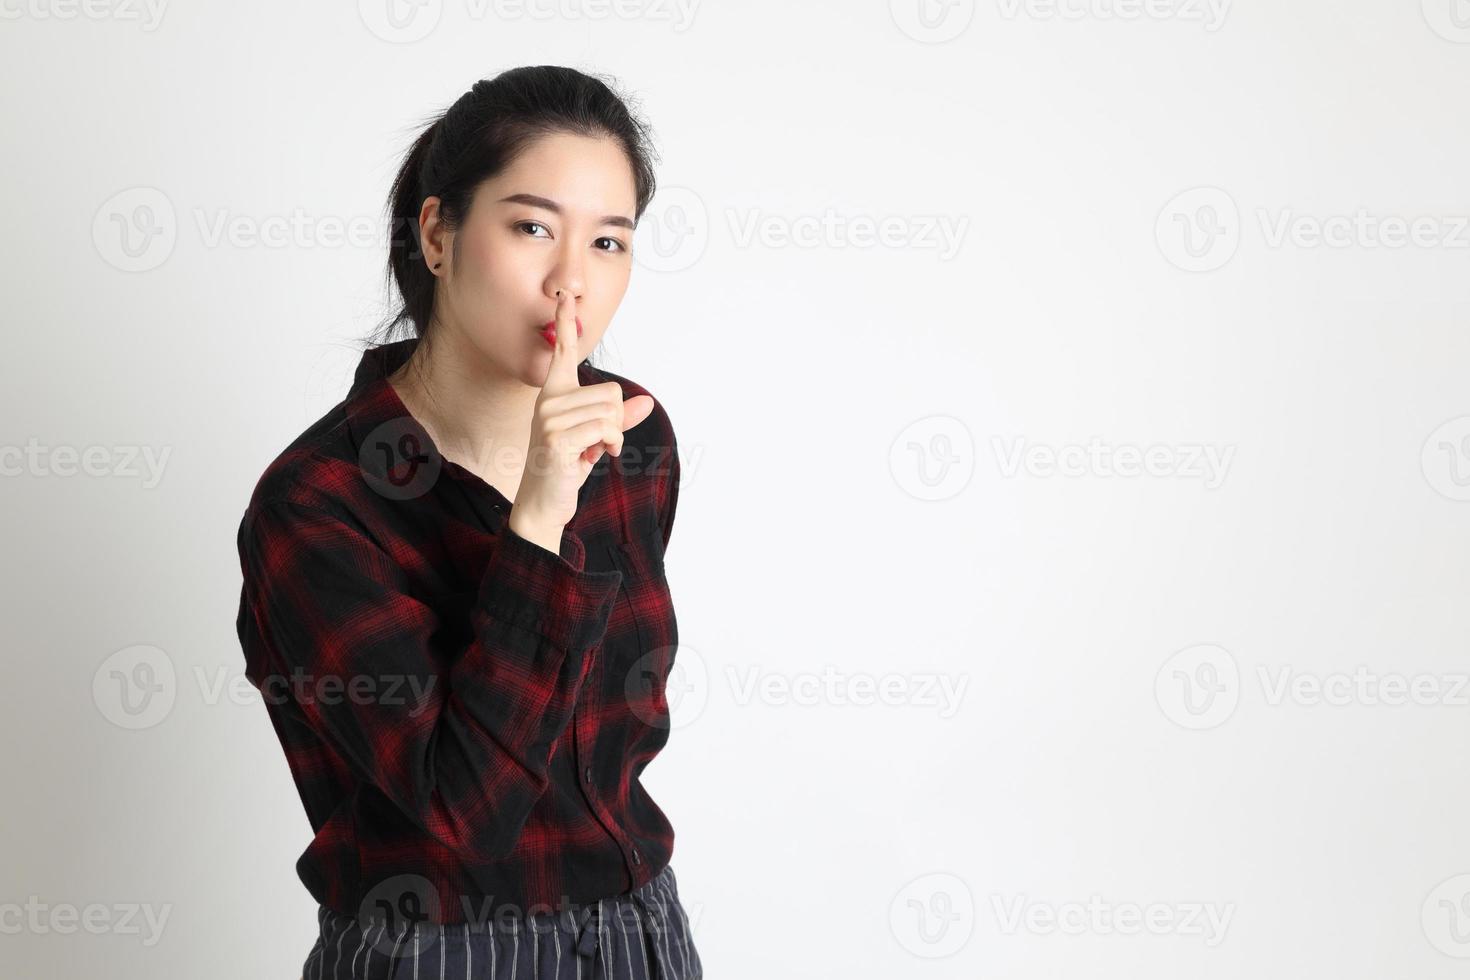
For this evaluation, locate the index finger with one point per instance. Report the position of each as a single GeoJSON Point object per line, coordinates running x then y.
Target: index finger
{"type": "Point", "coordinates": [562, 375]}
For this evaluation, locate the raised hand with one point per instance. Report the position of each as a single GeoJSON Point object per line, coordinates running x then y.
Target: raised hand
{"type": "Point", "coordinates": [572, 425]}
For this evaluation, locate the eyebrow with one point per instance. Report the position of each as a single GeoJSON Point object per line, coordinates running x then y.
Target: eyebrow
{"type": "Point", "coordinates": [536, 201]}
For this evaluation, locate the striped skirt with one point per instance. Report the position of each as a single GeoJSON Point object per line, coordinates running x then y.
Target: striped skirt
{"type": "Point", "coordinates": [640, 935]}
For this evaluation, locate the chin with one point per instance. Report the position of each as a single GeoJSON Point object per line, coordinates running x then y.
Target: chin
{"type": "Point", "coordinates": [532, 372]}
{"type": "Point", "coordinates": [521, 365]}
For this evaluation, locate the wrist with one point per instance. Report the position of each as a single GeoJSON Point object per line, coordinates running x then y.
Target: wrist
{"type": "Point", "coordinates": [547, 535]}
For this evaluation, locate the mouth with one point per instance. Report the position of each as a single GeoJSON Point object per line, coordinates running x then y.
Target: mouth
{"type": "Point", "coordinates": [548, 330]}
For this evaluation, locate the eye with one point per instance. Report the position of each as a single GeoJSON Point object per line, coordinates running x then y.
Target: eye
{"type": "Point", "coordinates": [531, 224]}
{"type": "Point", "coordinates": [620, 246]}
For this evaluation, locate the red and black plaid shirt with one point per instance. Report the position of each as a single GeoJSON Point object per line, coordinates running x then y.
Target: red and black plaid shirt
{"type": "Point", "coordinates": [465, 713]}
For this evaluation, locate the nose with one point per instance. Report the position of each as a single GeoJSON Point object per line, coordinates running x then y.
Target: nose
{"type": "Point", "coordinates": [567, 274]}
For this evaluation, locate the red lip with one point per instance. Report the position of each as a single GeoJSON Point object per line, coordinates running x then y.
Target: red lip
{"type": "Point", "coordinates": [548, 330]}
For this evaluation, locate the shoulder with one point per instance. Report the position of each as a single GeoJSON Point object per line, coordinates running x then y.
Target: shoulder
{"type": "Point", "coordinates": [648, 468]}
{"type": "Point", "coordinates": [318, 470]}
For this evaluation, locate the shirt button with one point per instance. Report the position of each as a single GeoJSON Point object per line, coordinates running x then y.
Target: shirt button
{"type": "Point", "coordinates": [587, 774]}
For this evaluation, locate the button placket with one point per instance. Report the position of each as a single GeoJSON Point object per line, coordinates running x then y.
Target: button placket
{"type": "Point", "coordinates": [582, 738]}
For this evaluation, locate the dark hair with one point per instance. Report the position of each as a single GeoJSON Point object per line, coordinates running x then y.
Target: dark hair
{"type": "Point", "coordinates": [476, 138]}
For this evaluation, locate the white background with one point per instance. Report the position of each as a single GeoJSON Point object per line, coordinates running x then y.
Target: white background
{"type": "Point", "coordinates": [853, 517]}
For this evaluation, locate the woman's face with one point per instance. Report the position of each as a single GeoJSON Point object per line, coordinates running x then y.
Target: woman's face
{"type": "Point", "coordinates": [559, 217]}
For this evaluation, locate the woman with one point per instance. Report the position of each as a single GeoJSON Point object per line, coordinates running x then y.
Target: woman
{"type": "Point", "coordinates": [454, 598]}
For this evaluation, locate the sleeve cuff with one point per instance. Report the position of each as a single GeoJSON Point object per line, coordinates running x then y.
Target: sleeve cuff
{"type": "Point", "coordinates": [548, 593]}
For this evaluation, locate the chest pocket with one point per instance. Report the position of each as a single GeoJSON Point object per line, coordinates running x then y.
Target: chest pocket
{"type": "Point", "coordinates": [639, 667]}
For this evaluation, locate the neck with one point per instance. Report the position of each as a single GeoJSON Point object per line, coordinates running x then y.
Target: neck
{"type": "Point", "coordinates": [477, 416]}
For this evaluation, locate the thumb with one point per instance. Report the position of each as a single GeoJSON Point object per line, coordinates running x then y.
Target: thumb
{"type": "Point", "coordinates": [636, 409]}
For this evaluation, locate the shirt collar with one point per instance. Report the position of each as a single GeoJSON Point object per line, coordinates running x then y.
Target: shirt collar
{"type": "Point", "coordinates": [371, 401]}
{"type": "Point", "coordinates": [379, 362]}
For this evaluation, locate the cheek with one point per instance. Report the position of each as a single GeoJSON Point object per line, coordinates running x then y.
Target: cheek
{"type": "Point", "coordinates": [505, 274]}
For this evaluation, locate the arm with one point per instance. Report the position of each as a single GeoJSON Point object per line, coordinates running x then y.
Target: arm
{"type": "Point", "coordinates": [463, 751]}
{"type": "Point", "coordinates": [668, 489]}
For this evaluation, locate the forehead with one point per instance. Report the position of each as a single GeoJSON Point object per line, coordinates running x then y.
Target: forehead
{"type": "Point", "coordinates": [588, 177]}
